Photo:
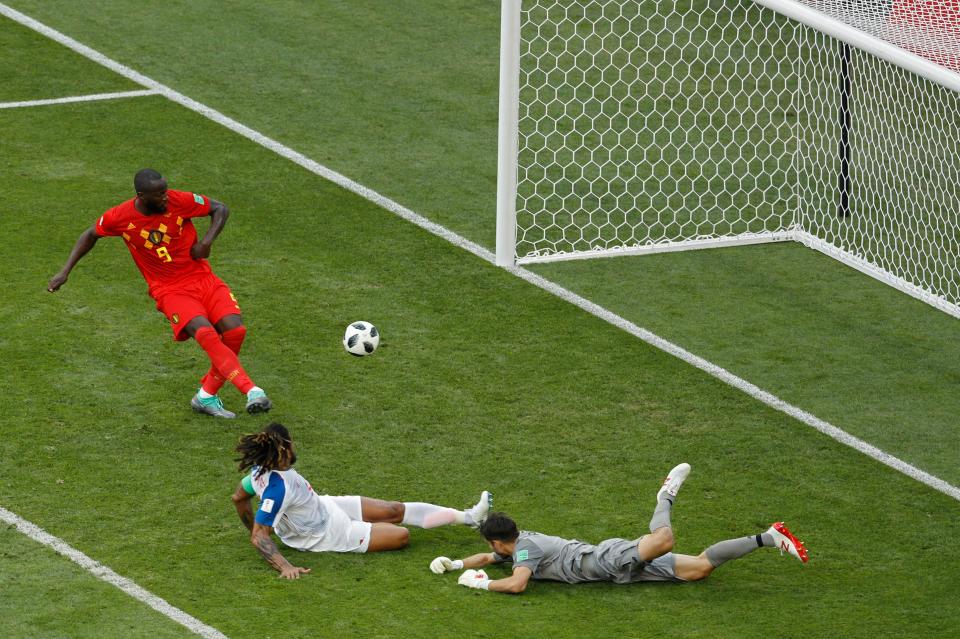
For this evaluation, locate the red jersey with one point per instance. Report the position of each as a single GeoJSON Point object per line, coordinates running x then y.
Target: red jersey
{"type": "Point", "coordinates": [160, 244]}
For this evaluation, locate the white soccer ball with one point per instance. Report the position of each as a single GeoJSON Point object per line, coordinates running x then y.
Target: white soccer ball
{"type": "Point", "coordinates": [361, 338]}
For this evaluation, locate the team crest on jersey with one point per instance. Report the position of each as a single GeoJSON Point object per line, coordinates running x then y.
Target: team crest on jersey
{"type": "Point", "coordinates": [175, 319]}
{"type": "Point", "coordinates": [155, 236]}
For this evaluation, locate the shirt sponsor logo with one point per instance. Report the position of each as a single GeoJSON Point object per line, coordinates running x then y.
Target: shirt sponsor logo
{"type": "Point", "coordinates": [267, 505]}
{"type": "Point", "coordinates": [522, 555]}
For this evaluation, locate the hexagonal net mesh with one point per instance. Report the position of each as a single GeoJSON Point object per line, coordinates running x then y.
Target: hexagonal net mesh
{"type": "Point", "coordinates": [661, 125]}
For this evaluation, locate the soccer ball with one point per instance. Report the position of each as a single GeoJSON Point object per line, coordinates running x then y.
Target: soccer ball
{"type": "Point", "coordinates": [361, 338]}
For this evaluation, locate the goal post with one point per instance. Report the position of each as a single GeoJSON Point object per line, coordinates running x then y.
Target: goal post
{"type": "Point", "coordinates": [507, 135]}
{"type": "Point", "coordinates": [645, 126]}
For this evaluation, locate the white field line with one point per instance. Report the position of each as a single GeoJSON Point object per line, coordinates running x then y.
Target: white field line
{"type": "Point", "coordinates": [102, 572]}
{"type": "Point", "coordinates": [79, 98]}
{"type": "Point", "coordinates": [415, 218]}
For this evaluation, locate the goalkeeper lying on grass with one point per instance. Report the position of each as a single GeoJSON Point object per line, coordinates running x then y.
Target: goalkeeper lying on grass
{"type": "Point", "coordinates": [537, 556]}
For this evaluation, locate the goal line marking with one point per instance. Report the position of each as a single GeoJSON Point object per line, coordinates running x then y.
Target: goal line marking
{"type": "Point", "coordinates": [79, 98]}
{"type": "Point", "coordinates": [106, 574]}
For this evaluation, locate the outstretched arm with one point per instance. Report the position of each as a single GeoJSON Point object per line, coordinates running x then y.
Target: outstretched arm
{"type": "Point", "coordinates": [479, 560]}
{"type": "Point", "coordinates": [218, 218]}
{"type": "Point", "coordinates": [261, 540]}
{"type": "Point", "coordinates": [514, 584]}
{"type": "Point", "coordinates": [260, 537]}
{"type": "Point", "coordinates": [445, 564]}
{"type": "Point", "coordinates": [84, 243]}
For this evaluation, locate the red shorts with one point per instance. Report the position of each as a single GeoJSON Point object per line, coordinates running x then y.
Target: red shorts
{"type": "Point", "coordinates": [205, 296]}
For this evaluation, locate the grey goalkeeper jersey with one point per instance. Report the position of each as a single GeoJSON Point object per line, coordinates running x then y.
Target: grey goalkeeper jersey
{"type": "Point", "coordinates": [550, 558]}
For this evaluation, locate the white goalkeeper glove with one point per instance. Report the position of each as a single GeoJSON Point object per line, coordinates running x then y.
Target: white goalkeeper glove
{"type": "Point", "coordinates": [441, 565]}
{"type": "Point", "coordinates": [474, 579]}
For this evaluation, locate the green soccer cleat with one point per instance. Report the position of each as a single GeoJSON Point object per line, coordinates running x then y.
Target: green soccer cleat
{"type": "Point", "coordinates": [258, 402]}
{"type": "Point", "coordinates": [210, 406]}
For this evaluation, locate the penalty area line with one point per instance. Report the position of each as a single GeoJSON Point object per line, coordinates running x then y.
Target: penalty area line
{"type": "Point", "coordinates": [79, 98]}
{"type": "Point", "coordinates": [415, 218]}
{"type": "Point", "coordinates": [106, 574]}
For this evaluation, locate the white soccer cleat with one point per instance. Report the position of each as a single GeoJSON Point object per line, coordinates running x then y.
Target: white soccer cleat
{"type": "Point", "coordinates": [786, 542]}
{"type": "Point", "coordinates": [671, 485]}
{"type": "Point", "coordinates": [478, 513]}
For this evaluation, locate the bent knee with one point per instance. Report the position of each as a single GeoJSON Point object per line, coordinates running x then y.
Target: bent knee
{"type": "Point", "coordinates": [663, 540]}
{"type": "Point", "coordinates": [699, 568]}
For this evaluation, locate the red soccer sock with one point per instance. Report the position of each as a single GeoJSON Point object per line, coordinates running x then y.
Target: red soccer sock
{"type": "Point", "coordinates": [224, 360]}
{"type": "Point", "coordinates": [212, 382]}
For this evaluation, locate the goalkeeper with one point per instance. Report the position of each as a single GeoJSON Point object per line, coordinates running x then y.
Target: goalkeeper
{"type": "Point", "coordinates": [542, 557]}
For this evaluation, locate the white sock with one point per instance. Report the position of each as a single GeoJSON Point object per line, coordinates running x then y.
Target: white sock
{"type": "Point", "coordinates": [424, 515]}
{"type": "Point", "coordinates": [202, 394]}
{"type": "Point", "coordinates": [255, 388]}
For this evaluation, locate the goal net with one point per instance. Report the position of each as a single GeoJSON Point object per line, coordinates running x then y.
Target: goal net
{"type": "Point", "coordinates": [646, 126]}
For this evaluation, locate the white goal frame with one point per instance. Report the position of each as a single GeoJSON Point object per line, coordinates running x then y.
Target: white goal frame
{"type": "Point", "coordinates": [792, 230]}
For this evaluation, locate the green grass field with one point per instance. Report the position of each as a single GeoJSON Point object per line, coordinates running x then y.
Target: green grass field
{"type": "Point", "coordinates": [481, 380]}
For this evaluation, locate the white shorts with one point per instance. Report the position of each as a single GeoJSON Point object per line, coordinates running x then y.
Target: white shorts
{"type": "Point", "coordinates": [346, 530]}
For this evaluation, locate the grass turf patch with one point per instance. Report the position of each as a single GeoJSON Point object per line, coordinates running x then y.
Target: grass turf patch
{"type": "Point", "coordinates": [481, 382]}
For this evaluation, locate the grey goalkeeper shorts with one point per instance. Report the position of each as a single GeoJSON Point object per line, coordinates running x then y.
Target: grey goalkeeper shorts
{"type": "Point", "coordinates": [617, 560]}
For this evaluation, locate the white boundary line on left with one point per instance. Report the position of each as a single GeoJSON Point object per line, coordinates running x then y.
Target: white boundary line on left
{"type": "Point", "coordinates": [79, 98]}
{"type": "Point", "coordinates": [106, 574]}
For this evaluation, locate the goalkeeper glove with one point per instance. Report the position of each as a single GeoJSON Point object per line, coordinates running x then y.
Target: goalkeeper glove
{"type": "Point", "coordinates": [474, 579]}
{"type": "Point", "coordinates": [443, 564]}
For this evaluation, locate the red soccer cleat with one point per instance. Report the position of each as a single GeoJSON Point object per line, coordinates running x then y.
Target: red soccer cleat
{"type": "Point", "coordinates": [785, 541]}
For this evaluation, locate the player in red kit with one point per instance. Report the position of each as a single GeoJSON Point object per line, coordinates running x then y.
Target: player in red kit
{"type": "Point", "coordinates": [158, 230]}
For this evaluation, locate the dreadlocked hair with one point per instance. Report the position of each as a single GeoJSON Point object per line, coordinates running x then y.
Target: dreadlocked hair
{"type": "Point", "coordinates": [266, 449]}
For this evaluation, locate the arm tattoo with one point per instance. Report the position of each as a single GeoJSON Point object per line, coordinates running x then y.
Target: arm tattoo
{"type": "Point", "coordinates": [269, 551]}
{"type": "Point", "coordinates": [247, 519]}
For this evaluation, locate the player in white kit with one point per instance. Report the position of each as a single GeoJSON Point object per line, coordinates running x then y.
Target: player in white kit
{"type": "Point", "coordinates": [304, 520]}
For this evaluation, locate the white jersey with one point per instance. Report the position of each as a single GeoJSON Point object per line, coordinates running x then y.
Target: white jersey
{"type": "Point", "coordinates": [287, 503]}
